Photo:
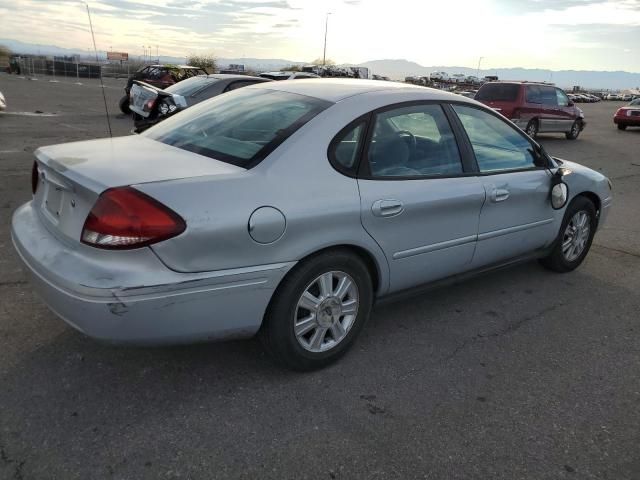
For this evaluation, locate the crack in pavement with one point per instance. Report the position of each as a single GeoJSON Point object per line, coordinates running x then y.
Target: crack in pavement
{"type": "Point", "coordinates": [12, 283]}
{"type": "Point", "coordinates": [510, 328]}
{"type": "Point", "coordinates": [626, 252]}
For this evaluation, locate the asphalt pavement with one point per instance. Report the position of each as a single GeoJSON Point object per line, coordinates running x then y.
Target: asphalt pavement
{"type": "Point", "coordinates": [518, 374]}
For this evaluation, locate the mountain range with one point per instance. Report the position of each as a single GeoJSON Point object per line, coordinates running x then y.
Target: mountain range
{"type": "Point", "coordinates": [396, 69]}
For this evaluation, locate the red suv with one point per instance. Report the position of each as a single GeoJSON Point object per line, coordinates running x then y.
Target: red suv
{"type": "Point", "coordinates": [534, 107]}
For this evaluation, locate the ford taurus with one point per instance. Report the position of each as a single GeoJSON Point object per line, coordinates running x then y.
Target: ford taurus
{"type": "Point", "coordinates": [288, 208]}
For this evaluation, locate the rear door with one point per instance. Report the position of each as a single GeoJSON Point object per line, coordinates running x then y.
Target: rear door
{"type": "Point", "coordinates": [517, 217]}
{"type": "Point", "coordinates": [551, 115]}
{"type": "Point", "coordinates": [416, 201]}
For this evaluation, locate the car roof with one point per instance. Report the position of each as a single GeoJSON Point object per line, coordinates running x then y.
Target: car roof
{"type": "Point", "coordinates": [337, 89]}
{"type": "Point", "coordinates": [233, 76]}
{"type": "Point", "coordinates": [170, 65]}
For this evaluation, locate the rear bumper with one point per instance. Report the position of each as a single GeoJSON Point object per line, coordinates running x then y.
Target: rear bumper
{"type": "Point", "coordinates": [625, 120]}
{"type": "Point", "coordinates": [132, 297]}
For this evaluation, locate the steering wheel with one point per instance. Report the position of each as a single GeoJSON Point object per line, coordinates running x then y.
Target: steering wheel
{"type": "Point", "coordinates": [412, 140]}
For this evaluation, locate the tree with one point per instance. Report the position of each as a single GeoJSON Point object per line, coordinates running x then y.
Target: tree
{"type": "Point", "coordinates": [291, 68]}
{"type": "Point", "coordinates": [208, 62]}
{"type": "Point", "coordinates": [318, 61]}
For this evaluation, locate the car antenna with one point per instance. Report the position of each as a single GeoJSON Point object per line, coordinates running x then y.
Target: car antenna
{"type": "Point", "coordinates": [95, 49]}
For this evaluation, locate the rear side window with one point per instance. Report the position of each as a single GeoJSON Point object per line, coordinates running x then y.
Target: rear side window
{"type": "Point", "coordinates": [496, 145]}
{"type": "Point", "coordinates": [346, 147]}
{"type": "Point", "coordinates": [549, 96]}
{"type": "Point", "coordinates": [533, 94]}
{"type": "Point", "coordinates": [498, 92]}
{"type": "Point", "coordinates": [241, 127]}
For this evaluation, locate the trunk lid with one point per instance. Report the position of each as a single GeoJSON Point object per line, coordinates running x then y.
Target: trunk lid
{"type": "Point", "coordinates": [71, 176]}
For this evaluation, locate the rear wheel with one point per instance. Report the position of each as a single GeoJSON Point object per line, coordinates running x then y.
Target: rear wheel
{"type": "Point", "coordinates": [576, 234]}
{"type": "Point", "coordinates": [318, 311]}
{"type": "Point", "coordinates": [575, 130]}
{"type": "Point", "coordinates": [532, 128]}
{"type": "Point", "coordinates": [124, 105]}
{"type": "Point", "coordinates": [622, 126]}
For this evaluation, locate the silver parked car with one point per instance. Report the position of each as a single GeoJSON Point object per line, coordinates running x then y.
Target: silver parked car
{"type": "Point", "coordinates": [288, 208]}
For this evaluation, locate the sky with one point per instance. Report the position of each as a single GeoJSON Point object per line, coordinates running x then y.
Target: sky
{"type": "Point", "coordinates": [550, 34]}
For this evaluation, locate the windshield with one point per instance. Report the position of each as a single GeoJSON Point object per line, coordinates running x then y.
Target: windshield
{"type": "Point", "coordinates": [241, 127]}
{"type": "Point", "coordinates": [191, 86]}
{"type": "Point", "coordinates": [501, 92]}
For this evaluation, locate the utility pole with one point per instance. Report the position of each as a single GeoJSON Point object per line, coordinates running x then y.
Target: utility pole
{"type": "Point", "coordinates": [326, 28]}
{"type": "Point", "coordinates": [478, 70]}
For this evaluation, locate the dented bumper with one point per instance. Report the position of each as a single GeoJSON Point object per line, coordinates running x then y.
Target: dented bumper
{"type": "Point", "coordinates": [132, 297]}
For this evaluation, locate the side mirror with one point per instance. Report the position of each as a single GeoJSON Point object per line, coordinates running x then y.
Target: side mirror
{"type": "Point", "coordinates": [570, 104]}
{"type": "Point", "coordinates": [559, 189]}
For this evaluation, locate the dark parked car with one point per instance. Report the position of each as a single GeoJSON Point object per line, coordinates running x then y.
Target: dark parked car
{"type": "Point", "coordinates": [161, 76]}
{"type": "Point", "coordinates": [151, 105]}
{"type": "Point", "coordinates": [628, 116]}
{"type": "Point", "coordinates": [534, 107]}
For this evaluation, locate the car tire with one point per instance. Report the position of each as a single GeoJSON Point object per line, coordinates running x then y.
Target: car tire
{"type": "Point", "coordinates": [575, 131]}
{"type": "Point", "coordinates": [573, 242]}
{"type": "Point", "coordinates": [308, 345]}
{"type": "Point", "coordinates": [124, 105]}
{"type": "Point", "coordinates": [532, 128]}
{"type": "Point", "coordinates": [622, 126]}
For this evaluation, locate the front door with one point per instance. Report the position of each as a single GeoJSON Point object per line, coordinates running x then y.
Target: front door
{"type": "Point", "coordinates": [517, 217]}
{"type": "Point", "coordinates": [414, 201]}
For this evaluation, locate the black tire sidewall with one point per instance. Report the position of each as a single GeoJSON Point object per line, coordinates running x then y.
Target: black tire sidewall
{"type": "Point", "coordinates": [124, 105]}
{"type": "Point", "coordinates": [570, 135]}
{"type": "Point", "coordinates": [278, 327]}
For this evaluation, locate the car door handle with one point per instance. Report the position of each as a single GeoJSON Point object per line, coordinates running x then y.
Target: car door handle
{"type": "Point", "coordinates": [387, 208]}
{"type": "Point", "coordinates": [499, 195]}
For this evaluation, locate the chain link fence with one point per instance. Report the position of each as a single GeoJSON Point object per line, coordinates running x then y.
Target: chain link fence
{"type": "Point", "coordinates": [54, 69]}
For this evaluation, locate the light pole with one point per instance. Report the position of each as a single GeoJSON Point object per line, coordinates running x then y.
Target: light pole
{"type": "Point", "coordinates": [326, 28]}
{"type": "Point", "coordinates": [478, 70]}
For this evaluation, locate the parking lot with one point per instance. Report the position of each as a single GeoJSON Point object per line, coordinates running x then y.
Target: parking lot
{"type": "Point", "coordinates": [518, 374]}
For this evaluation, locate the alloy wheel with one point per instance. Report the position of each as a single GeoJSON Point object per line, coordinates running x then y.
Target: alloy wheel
{"type": "Point", "coordinates": [326, 311]}
{"type": "Point", "coordinates": [576, 235]}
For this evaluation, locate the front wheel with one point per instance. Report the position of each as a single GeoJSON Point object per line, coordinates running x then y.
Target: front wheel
{"type": "Point", "coordinates": [576, 234]}
{"type": "Point", "coordinates": [575, 130]}
{"type": "Point", "coordinates": [124, 105]}
{"type": "Point", "coordinates": [318, 311]}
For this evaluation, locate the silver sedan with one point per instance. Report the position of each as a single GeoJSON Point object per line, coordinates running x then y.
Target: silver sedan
{"type": "Point", "coordinates": [288, 208]}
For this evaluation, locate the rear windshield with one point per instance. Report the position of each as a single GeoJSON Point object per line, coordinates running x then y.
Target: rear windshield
{"type": "Point", "coordinates": [191, 86]}
{"type": "Point", "coordinates": [275, 76]}
{"type": "Point", "coordinates": [241, 127]}
{"type": "Point", "coordinates": [498, 92]}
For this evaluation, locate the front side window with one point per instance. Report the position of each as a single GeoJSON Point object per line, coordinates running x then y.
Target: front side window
{"type": "Point", "coordinates": [413, 141]}
{"type": "Point", "coordinates": [496, 145]}
{"type": "Point", "coordinates": [241, 127]}
{"type": "Point", "coordinates": [563, 100]}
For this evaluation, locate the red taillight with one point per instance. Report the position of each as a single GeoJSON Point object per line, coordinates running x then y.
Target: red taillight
{"type": "Point", "coordinates": [124, 218]}
{"type": "Point", "coordinates": [619, 112]}
{"type": "Point", "coordinates": [35, 177]}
